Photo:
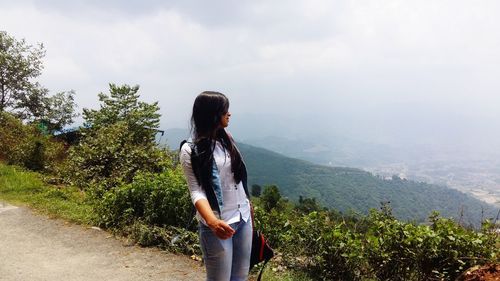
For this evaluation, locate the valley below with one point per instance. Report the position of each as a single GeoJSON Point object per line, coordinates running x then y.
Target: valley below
{"type": "Point", "coordinates": [480, 178]}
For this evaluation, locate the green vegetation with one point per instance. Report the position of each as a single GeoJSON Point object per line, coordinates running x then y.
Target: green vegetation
{"type": "Point", "coordinates": [349, 189]}
{"type": "Point", "coordinates": [320, 245]}
{"type": "Point", "coordinates": [155, 199]}
{"type": "Point", "coordinates": [20, 94]}
{"type": "Point", "coordinates": [256, 190]}
{"type": "Point", "coordinates": [117, 142]}
{"type": "Point", "coordinates": [20, 65]}
{"type": "Point", "coordinates": [28, 188]}
{"type": "Point", "coordinates": [25, 145]}
{"type": "Point", "coordinates": [288, 275]}
{"type": "Point", "coordinates": [330, 246]}
{"type": "Point", "coordinates": [270, 197]}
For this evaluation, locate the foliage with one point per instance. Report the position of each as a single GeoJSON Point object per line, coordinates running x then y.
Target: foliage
{"type": "Point", "coordinates": [12, 131]}
{"type": "Point", "coordinates": [19, 186]}
{"type": "Point", "coordinates": [270, 197]}
{"type": "Point", "coordinates": [256, 190]}
{"type": "Point", "coordinates": [444, 249]}
{"type": "Point", "coordinates": [174, 239]}
{"type": "Point", "coordinates": [109, 157]}
{"type": "Point", "coordinates": [153, 210]}
{"type": "Point", "coordinates": [123, 105]}
{"type": "Point", "coordinates": [20, 65]}
{"type": "Point", "coordinates": [58, 110]}
{"type": "Point", "coordinates": [307, 205]}
{"type": "Point", "coordinates": [375, 247]}
{"type": "Point", "coordinates": [117, 143]}
{"type": "Point", "coordinates": [155, 199]}
{"type": "Point", "coordinates": [24, 145]}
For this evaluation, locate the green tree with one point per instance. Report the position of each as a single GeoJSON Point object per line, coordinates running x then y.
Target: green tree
{"type": "Point", "coordinates": [20, 94]}
{"type": "Point", "coordinates": [307, 205]}
{"type": "Point", "coordinates": [59, 110]}
{"type": "Point", "coordinates": [256, 190]}
{"type": "Point", "coordinates": [22, 144]}
{"type": "Point", "coordinates": [54, 112]}
{"type": "Point", "coordinates": [20, 64]}
{"type": "Point", "coordinates": [117, 141]}
{"type": "Point", "coordinates": [122, 104]}
{"type": "Point", "coordinates": [270, 197]}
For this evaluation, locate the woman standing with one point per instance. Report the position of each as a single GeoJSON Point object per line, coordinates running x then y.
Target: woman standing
{"type": "Point", "coordinates": [216, 177]}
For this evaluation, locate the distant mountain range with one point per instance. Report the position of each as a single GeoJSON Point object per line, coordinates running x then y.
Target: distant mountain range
{"type": "Point", "coordinates": [351, 189]}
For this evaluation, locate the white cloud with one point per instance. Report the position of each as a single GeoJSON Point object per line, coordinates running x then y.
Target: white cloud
{"type": "Point", "coordinates": [345, 57]}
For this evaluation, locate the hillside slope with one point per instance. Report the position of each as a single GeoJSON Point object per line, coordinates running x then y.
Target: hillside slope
{"type": "Point", "coordinates": [354, 189]}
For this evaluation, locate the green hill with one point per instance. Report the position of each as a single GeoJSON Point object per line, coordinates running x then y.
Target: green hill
{"type": "Point", "coordinates": [348, 189]}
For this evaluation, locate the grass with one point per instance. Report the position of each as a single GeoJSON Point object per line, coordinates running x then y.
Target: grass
{"type": "Point", "coordinates": [21, 187]}
{"type": "Point", "coordinates": [270, 275]}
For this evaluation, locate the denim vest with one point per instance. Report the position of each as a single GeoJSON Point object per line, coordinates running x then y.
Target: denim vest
{"type": "Point", "coordinates": [211, 182]}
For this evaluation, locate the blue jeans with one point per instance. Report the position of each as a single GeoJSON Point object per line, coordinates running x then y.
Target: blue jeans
{"type": "Point", "coordinates": [227, 260]}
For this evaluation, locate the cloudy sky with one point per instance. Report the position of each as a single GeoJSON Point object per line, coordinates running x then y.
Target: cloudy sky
{"type": "Point", "coordinates": [369, 69]}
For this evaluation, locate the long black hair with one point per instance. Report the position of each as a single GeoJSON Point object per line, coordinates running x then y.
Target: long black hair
{"type": "Point", "coordinates": [208, 110]}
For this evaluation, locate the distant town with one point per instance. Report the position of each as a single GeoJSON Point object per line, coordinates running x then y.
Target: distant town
{"type": "Point", "coordinates": [478, 178]}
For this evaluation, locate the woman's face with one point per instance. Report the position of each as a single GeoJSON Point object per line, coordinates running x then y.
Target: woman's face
{"type": "Point", "coordinates": [224, 121]}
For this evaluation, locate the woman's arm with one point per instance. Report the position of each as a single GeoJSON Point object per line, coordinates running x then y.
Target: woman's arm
{"type": "Point", "coordinates": [220, 228]}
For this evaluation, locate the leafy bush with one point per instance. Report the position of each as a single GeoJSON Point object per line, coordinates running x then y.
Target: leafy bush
{"type": "Point", "coordinates": [109, 157]}
{"type": "Point", "coordinates": [155, 199]}
{"type": "Point", "coordinates": [270, 197]}
{"type": "Point", "coordinates": [307, 205]}
{"type": "Point", "coordinates": [122, 104]}
{"type": "Point", "coordinates": [173, 239]}
{"type": "Point", "coordinates": [327, 246]}
{"type": "Point", "coordinates": [117, 142]}
{"type": "Point", "coordinates": [324, 249]}
{"type": "Point", "coordinates": [24, 145]}
{"type": "Point", "coordinates": [11, 131]}
{"type": "Point", "coordinates": [404, 251]}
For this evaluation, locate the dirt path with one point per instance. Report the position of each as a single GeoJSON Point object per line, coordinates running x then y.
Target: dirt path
{"type": "Point", "coordinates": [34, 247]}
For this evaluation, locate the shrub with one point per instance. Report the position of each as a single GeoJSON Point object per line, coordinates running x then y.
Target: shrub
{"type": "Point", "coordinates": [24, 145]}
{"type": "Point", "coordinates": [108, 157]}
{"type": "Point", "coordinates": [404, 251]}
{"type": "Point", "coordinates": [173, 239]}
{"type": "Point", "coordinates": [11, 131]}
{"type": "Point", "coordinates": [325, 249]}
{"type": "Point", "coordinates": [270, 197]}
{"type": "Point", "coordinates": [155, 199]}
{"type": "Point", "coordinates": [328, 246]}
{"type": "Point", "coordinates": [118, 141]}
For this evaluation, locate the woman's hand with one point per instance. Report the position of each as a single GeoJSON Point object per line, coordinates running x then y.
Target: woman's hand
{"type": "Point", "coordinates": [221, 229]}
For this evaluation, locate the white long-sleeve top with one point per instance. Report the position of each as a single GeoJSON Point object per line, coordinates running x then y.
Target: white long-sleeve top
{"type": "Point", "coordinates": [236, 203]}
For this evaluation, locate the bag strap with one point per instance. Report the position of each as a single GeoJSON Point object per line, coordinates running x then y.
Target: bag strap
{"type": "Point", "coordinates": [182, 143]}
{"type": "Point", "coordinates": [252, 215]}
{"type": "Point", "coordinates": [262, 270]}
{"type": "Point", "coordinates": [253, 226]}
